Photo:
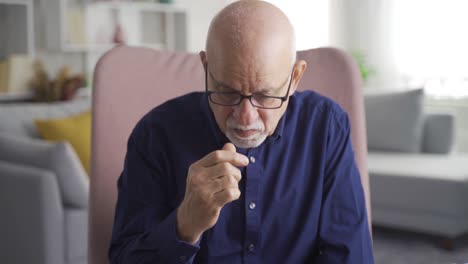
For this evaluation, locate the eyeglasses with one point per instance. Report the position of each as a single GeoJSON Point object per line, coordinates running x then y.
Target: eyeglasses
{"type": "Point", "coordinates": [235, 98]}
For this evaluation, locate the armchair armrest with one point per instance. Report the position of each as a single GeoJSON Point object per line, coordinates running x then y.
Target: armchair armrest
{"type": "Point", "coordinates": [439, 133]}
{"type": "Point", "coordinates": [32, 220]}
{"type": "Point", "coordinates": [56, 157]}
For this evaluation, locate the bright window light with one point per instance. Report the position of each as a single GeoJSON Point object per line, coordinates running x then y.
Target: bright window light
{"type": "Point", "coordinates": [430, 43]}
{"type": "Point", "coordinates": [310, 20]}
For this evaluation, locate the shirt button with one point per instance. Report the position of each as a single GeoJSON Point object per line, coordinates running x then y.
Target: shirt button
{"type": "Point", "coordinates": [183, 258]}
{"type": "Point", "coordinates": [252, 205]}
{"type": "Point", "coordinates": [252, 159]}
{"type": "Point", "coordinates": [251, 248]}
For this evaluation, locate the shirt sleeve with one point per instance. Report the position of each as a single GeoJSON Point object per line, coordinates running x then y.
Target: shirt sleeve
{"type": "Point", "coordinates": [144, 228]}
{"type": "Point", "coordinates": [344, 235]}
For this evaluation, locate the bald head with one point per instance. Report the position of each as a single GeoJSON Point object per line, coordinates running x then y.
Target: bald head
{"type": "Point", "coordinates": [250, 50]}
{"type": "Point", "coordinates": [253, 32]}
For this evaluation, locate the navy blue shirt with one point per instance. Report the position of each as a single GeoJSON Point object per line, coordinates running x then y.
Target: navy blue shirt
{"type": "Point", "coordinates": [301, 195]}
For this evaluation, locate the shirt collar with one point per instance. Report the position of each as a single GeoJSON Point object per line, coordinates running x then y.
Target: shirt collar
{"type": "Point", "coordinates": [280, 127]}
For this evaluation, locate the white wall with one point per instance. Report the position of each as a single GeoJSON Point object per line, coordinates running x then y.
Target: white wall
{"type": "Point", "coordinates": [363, 25]}
{"type": "Point", "coordinates": [200, 13]}
{"type": "Point", "coordinates": [300, 13]}
{"type": "Point", "coordinates": [358, 25]}
{"type": "Point", "coordinates": [309, 19]}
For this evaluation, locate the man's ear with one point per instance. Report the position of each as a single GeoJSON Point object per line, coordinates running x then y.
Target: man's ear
{"type": "Point", "coordinates": [299, 68]}
{"type": "Point", "coordinates": [203, 60]}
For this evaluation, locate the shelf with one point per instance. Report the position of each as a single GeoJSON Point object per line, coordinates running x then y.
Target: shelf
{"type": "Point", "coordinates": [16, 97]}
{"type": "Point", "coordinates": [153, 45]}
{"type": "Point", "coordinates": [84, 26]}
{"type": "Point", "coordinates": [160, 26]}
{"type": "Point", "coordinates": [15, 2]}
{"type": "Point", "coordinates": [87, 28]}
{"type": "Point", "coordinates": [87, 48]}
{"type": "Point", "coordinates": [142, 6]}
{"type": "Point", "coordinates": [17, 27]}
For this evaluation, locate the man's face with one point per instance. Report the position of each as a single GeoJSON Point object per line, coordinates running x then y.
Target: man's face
{"type": "Point", "coordinates": [245, 125]}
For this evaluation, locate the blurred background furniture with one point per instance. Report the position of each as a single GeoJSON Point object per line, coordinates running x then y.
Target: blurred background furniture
{"type": "Point", "coordinates": [128, 82]}
{"type": "Point", "coordinates": [418, 180]}
{"type": "Point", "coordinates": [78, 32]}
{"type": "Point", "coordinates": [20, 38]}
{"type": "Point", "coordinates": [43, 188]}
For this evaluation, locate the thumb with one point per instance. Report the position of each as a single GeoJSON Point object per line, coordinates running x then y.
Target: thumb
{"type": "Point", "coordinates": [229, 147]}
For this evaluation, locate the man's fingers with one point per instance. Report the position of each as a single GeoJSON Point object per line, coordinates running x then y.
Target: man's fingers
{"type": "Point", "coordinates": [227, 195]}
{"type": "Point", "coordinates": [221, 183]}
{"type": "Point", "coordinates": [229, 147]}
{"type": "Point", "coordinates": [223, 169]}
{"type": "Point", "coordinates": [220, 156]}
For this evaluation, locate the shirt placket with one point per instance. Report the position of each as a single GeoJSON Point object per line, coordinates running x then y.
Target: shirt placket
{"type": "Point", "coordinates": [252, 214]}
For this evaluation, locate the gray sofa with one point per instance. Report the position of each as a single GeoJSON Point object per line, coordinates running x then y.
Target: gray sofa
{"type": "Point", "coordinates": [43, 189]}
{"type": "Point", "coordinates": [418, 181]}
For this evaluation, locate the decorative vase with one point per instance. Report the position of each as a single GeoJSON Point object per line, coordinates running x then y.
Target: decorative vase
{"type": "Point", "coordinates": [119, 37]}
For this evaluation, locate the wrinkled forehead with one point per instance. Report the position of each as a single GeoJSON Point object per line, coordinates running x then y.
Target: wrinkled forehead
{"type": "Point", "coordinates": [267, 63]}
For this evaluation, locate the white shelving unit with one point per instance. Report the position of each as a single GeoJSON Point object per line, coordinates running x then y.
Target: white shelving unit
{"type": "Point", "coordinates": [17, 26]}
{"type": "Point", "coordinates": [16, 38]}
{"type": "Point", "coordinates": [160, 26]}
{"type": "Point", "coordinates": [79, 32]}
{"type": "Point", "coordinates": [86, 27]}
{"type": "Point", "coordinates": [155, 25]}
{"type": "Point", "coordinates": [62, 18]}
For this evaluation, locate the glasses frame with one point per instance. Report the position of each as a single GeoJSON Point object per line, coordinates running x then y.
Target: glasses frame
{"type": "Point", "coordinates": [242, 97]}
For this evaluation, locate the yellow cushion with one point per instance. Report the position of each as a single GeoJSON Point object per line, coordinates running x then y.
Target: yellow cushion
{"type": "Point", "coordinates": [74, 129]}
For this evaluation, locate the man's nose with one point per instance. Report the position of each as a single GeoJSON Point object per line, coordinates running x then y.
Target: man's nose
{"type": "Point", "coordinates": [245, 113]}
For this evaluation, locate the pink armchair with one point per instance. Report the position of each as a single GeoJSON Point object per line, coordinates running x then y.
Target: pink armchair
{"type": "Point", "coordinates": [130, 81]}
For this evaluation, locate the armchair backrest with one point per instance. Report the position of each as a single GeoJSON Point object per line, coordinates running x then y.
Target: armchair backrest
{"type": "Point", "coordinates": [335, 74]}
{"type": "Point", "coordinates": [130, 81]}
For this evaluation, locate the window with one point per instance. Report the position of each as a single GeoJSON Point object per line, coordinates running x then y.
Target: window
{"type": "Point", "coordinates": [430, 45]}
{"type": "Point", "coordinates": [310, 21]}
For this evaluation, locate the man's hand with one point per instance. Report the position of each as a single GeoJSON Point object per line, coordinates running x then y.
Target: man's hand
{"type": "Point", "coordinates": [212, 182]}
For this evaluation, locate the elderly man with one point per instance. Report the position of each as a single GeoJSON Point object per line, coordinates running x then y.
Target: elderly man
{"type": "Point", "coordinates": [247, 172]}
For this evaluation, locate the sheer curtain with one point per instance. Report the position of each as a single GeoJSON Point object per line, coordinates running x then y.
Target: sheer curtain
{"type": "Point", "coordinates": [363, 26]}
{"type": "Point", "coordinates": [353, 25]}
{"type": "Point", "coordinates": [409, 43]}
{"type": "Point", "coordinates": [430, 48]}
{"type": "Point", "coordinates": [431, 45]}
{"type": "Point", "coordinates": [417, 43]}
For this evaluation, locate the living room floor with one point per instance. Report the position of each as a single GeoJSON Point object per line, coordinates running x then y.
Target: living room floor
{"type": "Point", "coordinates": [401, 247]}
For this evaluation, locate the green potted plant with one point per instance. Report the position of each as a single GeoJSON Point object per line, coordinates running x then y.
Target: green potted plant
{"type": "Point", "coordinates": [366, 70]}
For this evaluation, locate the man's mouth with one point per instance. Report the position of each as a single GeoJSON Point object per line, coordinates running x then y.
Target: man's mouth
{"type": "Point", "coordinates": [246, 133]}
